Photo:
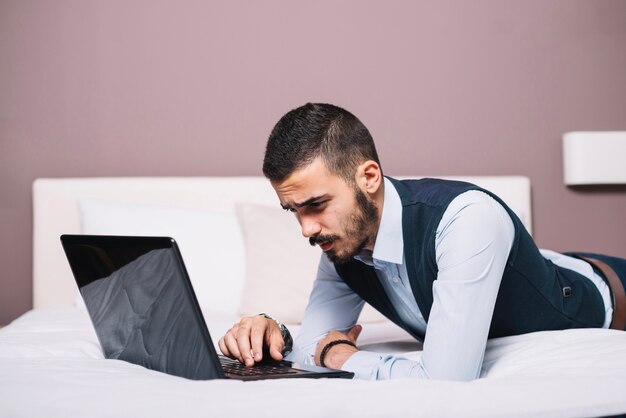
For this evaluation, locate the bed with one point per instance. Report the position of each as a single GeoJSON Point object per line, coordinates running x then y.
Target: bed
{"type": "Point", "coordinates": [51, 363]}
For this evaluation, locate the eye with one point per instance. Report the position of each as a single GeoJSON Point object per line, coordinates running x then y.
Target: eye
{"type": "Point", "coordinates": [292, 210]}
{"type": "Point", "coordinates": [318, 205]}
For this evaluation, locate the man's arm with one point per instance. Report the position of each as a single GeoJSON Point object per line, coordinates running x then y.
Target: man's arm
{"type": "Point", "coordinates": [472, 251]}
{"type": "Point", "coordinates": [332, 306]}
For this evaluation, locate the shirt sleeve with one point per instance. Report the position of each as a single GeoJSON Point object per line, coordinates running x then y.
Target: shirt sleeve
{"type": "Point", "coordinates": [332, 306]}
{"type": "Point", "coordinates": [472, 244]}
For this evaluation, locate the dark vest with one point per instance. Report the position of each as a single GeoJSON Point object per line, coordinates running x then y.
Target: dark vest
{"type": "Point", "coordinates": [534, 294]}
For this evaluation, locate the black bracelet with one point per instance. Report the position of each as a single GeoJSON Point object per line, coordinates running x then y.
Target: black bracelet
{"type": "Point", "coordinates": [331, 345]}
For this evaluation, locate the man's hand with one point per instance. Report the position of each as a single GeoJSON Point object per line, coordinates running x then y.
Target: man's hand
{"type": "Point", "coordinates": [339, 354]}
{"type": "Point", "coordinates": [245, 340]}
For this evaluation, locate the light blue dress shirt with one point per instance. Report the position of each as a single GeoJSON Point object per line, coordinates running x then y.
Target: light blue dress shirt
{"type": "Point", "coordinates": [472, 243]}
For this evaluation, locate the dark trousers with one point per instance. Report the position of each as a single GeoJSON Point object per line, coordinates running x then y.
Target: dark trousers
{"type": "Point", "coordinates": [616, 263]}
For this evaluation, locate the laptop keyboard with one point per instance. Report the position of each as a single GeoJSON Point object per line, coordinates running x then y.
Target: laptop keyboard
{"type": "Point", "coordinates": [231, 366]}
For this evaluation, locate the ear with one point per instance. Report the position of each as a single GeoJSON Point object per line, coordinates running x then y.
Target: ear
{"type": "Point", "coordinates": [369, 177]}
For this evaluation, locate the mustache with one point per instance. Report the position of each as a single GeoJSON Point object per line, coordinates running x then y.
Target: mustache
{"type": "Point", "coordinates": [322, 239]}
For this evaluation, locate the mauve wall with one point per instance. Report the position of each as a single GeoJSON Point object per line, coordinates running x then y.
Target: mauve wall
{"type": "Point", "coordinates": [124, 88]}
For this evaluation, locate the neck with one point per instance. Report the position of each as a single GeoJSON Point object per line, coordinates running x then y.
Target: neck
{"type": "Point", "coordinates": [378, 199]}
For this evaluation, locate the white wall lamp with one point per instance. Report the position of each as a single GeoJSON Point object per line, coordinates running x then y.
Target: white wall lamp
{"type": "Point", "coordinates": [594, 158]}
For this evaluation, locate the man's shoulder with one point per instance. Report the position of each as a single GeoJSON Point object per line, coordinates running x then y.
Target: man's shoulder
{"type": "Point", "coordinates": [432, 191]}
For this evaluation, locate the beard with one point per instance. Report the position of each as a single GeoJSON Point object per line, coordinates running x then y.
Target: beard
{"type": "Point", "coordinates": [358, 231]}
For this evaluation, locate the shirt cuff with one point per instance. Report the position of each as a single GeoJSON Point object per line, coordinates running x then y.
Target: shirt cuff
{"type": "Point", "coordinates": [298, 355]}
{"type": "Point", "coordinates": [364, 364]}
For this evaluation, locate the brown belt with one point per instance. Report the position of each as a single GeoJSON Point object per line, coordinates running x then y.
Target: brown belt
{"type": "Point", "coordinates": [617, 289]}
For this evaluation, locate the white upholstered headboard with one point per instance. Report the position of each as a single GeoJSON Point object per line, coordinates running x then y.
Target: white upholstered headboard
{"type": "Point", "coordinates": [56, 212]}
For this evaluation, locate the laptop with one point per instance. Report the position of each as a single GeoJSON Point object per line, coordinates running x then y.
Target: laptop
{"type": "Point", "coordinates": [144, 310]}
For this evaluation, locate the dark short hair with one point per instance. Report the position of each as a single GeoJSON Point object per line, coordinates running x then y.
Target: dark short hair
{"type": "Point", "coordinates": [318, 130]}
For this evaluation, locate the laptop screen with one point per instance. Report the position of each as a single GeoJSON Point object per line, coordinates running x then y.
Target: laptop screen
{"type": "Point", "coordinates": [141, 304]}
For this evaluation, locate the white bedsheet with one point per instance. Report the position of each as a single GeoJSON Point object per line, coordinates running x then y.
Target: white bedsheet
{"type": "Point", "coordinates": [51, 365]}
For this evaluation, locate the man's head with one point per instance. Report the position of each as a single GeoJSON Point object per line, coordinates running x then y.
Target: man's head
{"type": "Point", "coordinates": [322, 162]}
{"type": "Point", "coordinates": [318, 130]}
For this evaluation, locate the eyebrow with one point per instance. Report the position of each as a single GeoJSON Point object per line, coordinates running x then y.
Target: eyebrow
{"type": "Point", "coordinates": [305, 203]}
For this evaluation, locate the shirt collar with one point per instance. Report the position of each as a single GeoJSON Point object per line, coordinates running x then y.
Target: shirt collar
{"type": "Point", "coordinates": [389, 246]}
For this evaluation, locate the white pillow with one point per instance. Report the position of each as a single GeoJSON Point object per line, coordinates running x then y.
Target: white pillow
{"type": "Point", "coordinates": [210, 242]}
{"type": "Point", "coordinates": [280, 265]}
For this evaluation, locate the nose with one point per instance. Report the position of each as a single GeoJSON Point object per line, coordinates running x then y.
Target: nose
{"type": "Point", "coordinates": [310, 227]}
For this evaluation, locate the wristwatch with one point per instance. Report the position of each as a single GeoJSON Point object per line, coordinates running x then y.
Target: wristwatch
{"type": "Point", "coordinates": [284, 332]}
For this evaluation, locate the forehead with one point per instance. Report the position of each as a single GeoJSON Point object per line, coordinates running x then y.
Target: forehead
{"type": "Point", "coordinates": [310, 181]}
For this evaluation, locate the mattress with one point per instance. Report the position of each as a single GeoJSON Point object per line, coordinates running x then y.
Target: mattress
{"type": "Point", "coordinates": [51, 365]}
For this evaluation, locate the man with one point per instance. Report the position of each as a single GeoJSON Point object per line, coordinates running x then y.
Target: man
{"type": "Point", "coordinates": [447, 261]}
